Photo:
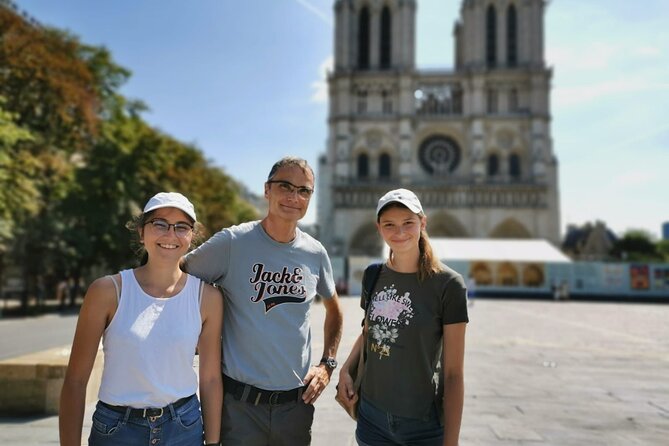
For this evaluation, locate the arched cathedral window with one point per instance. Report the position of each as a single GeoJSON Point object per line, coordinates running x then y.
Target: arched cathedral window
{"type": "Point", "coordinates": [491, 37]}
{"type": "Point", "coordinates": [385, 38]}
{"type": "Point", "coordinates": [363, 166]}
{"type": "Point", "coordinates": [513, 100]}
{"type": "Point", "coordinates": [384, 166]}
{"type": "Point", "coordinates": [492, 101]}
{"type": "Point", "coordinates": [493, 165]}
{"type": "Point", "coordinates": [363, 39]}
{"type": "Point", "coordinates": [362, 101]}
{"type": "Point", "coordinates": [511, 36]}
{"type": "Point", "coordinates": [386, 102]}
{"type": "Point", "coordinates": [514, 166]}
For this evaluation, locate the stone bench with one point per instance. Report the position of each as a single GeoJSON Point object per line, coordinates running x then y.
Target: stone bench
{"type": "Point", "coordinates": [31, 384]}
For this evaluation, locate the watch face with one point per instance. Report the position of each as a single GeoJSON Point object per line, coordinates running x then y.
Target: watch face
{"type": "Point", "coordinates": [330, 362]}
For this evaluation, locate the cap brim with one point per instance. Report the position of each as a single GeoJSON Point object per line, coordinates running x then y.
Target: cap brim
{"type": "Point", "coordinates": [411, 206]}
{"type": "Point", "coordinates": [161, 206]}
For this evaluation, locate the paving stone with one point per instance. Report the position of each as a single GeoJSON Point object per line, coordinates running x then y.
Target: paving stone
{"type": "Point", "coordinates": [536, 373]}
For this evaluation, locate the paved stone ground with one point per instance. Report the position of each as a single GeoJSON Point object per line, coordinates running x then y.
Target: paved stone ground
{"type": "Point", "coordinates": [537, 373]}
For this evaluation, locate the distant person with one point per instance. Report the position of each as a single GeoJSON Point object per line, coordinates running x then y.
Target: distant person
{"type": "Point", "coordinates": [555, 289]}
{"type": "Point", "coordinates": [62, 293]}
{"type": "Point", "coordinates": [471, 289]}
{"type": "Point", "coordinates": [151, 320]}
{"type": "Point", "coordinates": [341, 286]}
{"type": "Point", "coordinates": [73, 290]}
{"type": "Point", "coordinates": [40, 292]}
{"type": "Point", "coordinates": [415, 320]}
{"type": "Point", "coordinates": [564, 290]}
{"type": "Point", "coordinates": [271, 272]}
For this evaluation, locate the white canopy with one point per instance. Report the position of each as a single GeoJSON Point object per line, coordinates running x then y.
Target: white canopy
{"type": "Point", "coordinates": [501, 250]}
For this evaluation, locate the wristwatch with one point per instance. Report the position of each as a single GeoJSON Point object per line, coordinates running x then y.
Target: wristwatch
{"type": "Point", "coordinates": [329, 362]}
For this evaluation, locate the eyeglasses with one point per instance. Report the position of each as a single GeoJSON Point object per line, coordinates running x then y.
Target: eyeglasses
{"type": "Point", "coordinates": [162, 227]}
{"type": "Point", "coordinates": [286, 187]}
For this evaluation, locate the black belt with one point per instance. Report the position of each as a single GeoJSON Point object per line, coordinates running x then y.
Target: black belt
{"type": "Point", "coordinates": [251, 394]}
{"type": "Point", "coordinates": [150, 412]}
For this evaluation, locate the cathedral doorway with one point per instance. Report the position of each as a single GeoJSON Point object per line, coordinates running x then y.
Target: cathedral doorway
{"type": "Point", "coordinates": [510, 228]}
{"type": "Point", "coordinates": [445, 225]}
{"type": "Point", "coordinates": [366, 241]}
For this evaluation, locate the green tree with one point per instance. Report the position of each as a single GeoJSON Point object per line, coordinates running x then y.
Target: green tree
{"type": "Point", "coordinates": [78, 160]}
{"type": "Point", "coordinates": [636, 245]}
{"type": "Point", "coordinates": [662, 248]}
{"type": "Point", "coordinates": [17, 190]}
{"type": "Point", "coordinates": [47, 83]}
{"type": "Point", "coordinates": [131, 162]}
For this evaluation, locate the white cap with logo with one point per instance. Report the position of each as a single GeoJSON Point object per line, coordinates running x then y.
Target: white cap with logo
{"type": "Point", "coordinates": [171, 200]}
{"type": "Point", "coordinates": [402, 196]}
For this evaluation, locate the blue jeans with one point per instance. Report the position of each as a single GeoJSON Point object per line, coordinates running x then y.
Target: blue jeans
{"type": "Point", "coordinates": [379, 428]}
{"type": "Point", "coordinates": [177, 427]}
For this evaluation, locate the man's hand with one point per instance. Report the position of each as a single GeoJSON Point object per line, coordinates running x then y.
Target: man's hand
{"type": "Point", "coordinates": [316, 381]}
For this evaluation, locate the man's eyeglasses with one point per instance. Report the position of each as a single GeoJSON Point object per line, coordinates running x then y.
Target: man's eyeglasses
{"type": "Point", "coordinates": [288, 188]}
{"type": "Point", "coordinates": [162, 227]}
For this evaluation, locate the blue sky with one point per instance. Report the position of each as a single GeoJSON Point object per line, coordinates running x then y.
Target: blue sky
{"type": "Point", "coordinates": [244, 81]}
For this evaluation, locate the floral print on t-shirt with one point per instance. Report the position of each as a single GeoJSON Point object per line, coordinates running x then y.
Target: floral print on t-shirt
{"type": "Point", "coordinates": [389, 312]}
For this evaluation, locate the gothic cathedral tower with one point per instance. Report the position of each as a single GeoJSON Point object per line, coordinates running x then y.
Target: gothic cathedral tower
{"type": "Point", "coordinates": [474, 143]}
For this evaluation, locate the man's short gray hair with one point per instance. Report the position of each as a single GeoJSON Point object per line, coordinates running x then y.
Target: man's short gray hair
{"type": "Point", "coordinates": [290, 161]}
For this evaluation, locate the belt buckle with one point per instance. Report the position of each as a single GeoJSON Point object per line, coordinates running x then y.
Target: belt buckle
{"type": "Point", "coordinates": [274, 398]}
{"type": "Point", "coordinates": [155, 417]}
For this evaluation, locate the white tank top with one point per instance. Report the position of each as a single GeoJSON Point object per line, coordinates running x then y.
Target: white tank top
{"type": "Point", "coordinates": [149, 346]}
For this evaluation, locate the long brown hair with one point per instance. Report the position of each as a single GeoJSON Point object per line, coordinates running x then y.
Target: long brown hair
{"type": "Point", "coordinates": [428, 264]}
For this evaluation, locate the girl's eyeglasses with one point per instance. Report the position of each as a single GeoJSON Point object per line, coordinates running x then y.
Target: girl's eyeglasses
{"type": "Point", "coordinates": [162, 227]}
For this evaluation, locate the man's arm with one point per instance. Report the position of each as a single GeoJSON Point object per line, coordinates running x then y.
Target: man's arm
{"type": "Point", "coordinates": [333, 326]}
{"type": "Point", "coordinates": [210, 261]}
{"type": "Point", "coordinates": [319, 376]}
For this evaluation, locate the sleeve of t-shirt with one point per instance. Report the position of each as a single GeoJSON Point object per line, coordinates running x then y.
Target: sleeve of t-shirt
{"type": "Point", "coordinates": [454, 302]}
{"type": "Point", "coordinates": [210, 261]}
{"type": "Point", "coordinates": [326, 285]}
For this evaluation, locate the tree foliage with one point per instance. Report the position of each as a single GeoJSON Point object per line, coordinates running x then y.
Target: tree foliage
{"type": "Point", "coordinates": [637, 245]}
{"type": "Point", "coordinates": [77, 160]}
{"type": "Point", "coordinates": [17, 191]}
{"type": "Point", "coordinates": [663, 249]}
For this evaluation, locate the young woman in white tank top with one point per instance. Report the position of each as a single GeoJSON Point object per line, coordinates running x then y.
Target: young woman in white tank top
{"type": "Point", "coordinates": [151, 320]}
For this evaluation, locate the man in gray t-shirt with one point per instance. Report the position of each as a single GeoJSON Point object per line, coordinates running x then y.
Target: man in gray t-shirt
{"type": "Point", "coordinates": [270, 272]}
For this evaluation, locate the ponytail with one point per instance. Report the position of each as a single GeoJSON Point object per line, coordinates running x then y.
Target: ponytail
{"type": "Point", "coordinates": [428, 264]}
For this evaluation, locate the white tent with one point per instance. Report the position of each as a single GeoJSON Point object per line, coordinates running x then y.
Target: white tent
{"type": "Point", "coordinates": [450, 250]}
{"type": "Point", "coordinates": [499, 250]}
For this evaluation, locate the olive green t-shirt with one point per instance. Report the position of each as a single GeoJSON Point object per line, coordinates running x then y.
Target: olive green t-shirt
{"type": "Point", "coordinates": [405, 339]}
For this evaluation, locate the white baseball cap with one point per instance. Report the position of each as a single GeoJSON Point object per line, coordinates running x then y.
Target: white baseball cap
{"type": "Point", "coordinates": [402, 196]}
{"type": "Point", "coordinates": [171, 200]}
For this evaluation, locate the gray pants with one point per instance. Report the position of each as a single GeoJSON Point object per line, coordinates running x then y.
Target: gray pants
{"type": "Point", "coordinates": [244, 423]}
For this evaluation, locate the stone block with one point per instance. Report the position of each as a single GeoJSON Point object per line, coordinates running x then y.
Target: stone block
{"type": "Point", "coordinates": [31, 384]}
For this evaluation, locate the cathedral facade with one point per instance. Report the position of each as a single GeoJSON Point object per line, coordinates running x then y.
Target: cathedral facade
{"type": "Point", "coordinates": [473, 142]}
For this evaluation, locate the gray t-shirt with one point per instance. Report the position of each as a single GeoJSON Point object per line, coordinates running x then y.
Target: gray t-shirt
{"type": "Point", "coordinates": [268, 287]}
{"type": "Point", "coordinates": [405, 339]}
